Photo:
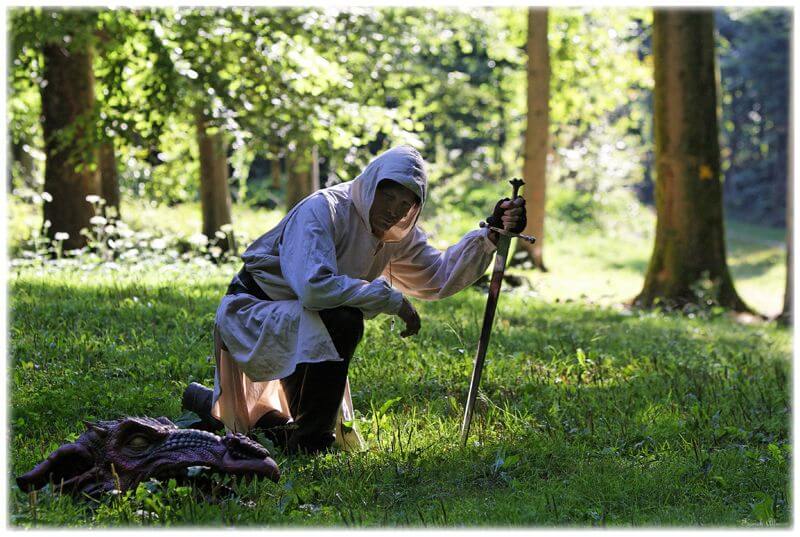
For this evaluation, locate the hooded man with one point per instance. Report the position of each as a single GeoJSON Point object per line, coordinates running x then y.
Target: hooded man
{"type": "Point", "coordinates": [292, 317]}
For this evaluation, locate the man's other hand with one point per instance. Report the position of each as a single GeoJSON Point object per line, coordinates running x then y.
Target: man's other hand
{"type": "Point", "coordinates": [409, 316]}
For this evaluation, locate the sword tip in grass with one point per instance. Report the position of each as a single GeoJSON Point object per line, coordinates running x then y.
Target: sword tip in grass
{"type": "Point", "coordinates": [488, 316]}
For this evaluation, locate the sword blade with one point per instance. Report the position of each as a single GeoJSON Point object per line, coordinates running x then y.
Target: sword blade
{"type": "Point", "coordinates": [486, 332]}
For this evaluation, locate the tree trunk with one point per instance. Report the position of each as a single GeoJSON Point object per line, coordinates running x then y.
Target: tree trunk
{"type": "Point", "coordinates": [70, 159]}
{"type": "Point", "coordinates": [109, 179]}
{"type": "Point", "coordinates": [215, 196]}
{"type": "Point", "coordinates": [788, 303]}
{"type": "Point", "coordinates": [689, 249]}
{"type": "Point", "coordinates": [275, 172]}
{"type": "Point", "coordinates": [536, 134]}
{"type": "Point", "coordinates": [303, 176]}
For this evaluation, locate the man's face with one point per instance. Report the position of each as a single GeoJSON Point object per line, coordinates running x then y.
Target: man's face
{"type": "Point", "coordinates": [392, 202]}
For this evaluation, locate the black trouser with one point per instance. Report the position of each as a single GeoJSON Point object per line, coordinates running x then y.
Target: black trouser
{"type": "Point", "coordinates": [314, 390]}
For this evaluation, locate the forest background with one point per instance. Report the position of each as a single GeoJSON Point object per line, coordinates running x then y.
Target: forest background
{"type": "Point", "coordinates": [166, 140]}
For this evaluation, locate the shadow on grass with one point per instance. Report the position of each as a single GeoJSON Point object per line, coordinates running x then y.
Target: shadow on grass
{"type": "Point", "coordinates": [651, 406]}
{"type": "Point", "coordinates": [638, 266]}
{"type": "Point", "coordinates": [756, 265]}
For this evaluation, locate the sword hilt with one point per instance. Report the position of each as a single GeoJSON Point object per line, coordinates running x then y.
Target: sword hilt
{"type": "Point", "coordinates": [516, 184]}
{"type": "Point", "coordinates": [501, 231]}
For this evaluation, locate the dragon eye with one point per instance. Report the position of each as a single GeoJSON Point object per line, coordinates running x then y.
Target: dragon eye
{"type": "Point", "coordinates": [139, 442]}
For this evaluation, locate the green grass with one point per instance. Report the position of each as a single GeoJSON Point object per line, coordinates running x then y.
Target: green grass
{"type": "Point", "coordinates": [603, 265]}
{"type": "Point", "coordinates": [590, 415]}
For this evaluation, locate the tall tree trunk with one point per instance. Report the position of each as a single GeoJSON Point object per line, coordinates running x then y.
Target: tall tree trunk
{"type": "Point", "coordinates": [215, 196]}
{"type": "Point", "coordinates": [109, 178]}
{"type": "Point", "coordinates": [70, 172]}
{"type": "Point", "coordinates": [275, 172]}
{"type": "Point", "coordinates": [690, 237]}
{"type": "Point", "coordinates": [788, 302]}
{"type": "Point", "coordinates": [303, 176]}
{"type": "Point", "coordinates": [536, 133]}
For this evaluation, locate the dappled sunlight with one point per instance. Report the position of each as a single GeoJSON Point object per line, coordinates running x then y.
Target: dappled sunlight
{"type": "Point", "coordinates": [150, 148]}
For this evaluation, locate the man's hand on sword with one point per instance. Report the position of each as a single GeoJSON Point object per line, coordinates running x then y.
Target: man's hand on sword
{"type": "Point", "coordinates": [508, 214]}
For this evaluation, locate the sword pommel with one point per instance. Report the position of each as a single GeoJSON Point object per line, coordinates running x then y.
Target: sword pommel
{"type": "Point", "coordinates": [516, 183]}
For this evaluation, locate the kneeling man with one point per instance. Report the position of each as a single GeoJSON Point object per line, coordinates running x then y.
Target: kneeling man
{"type": "Point", "coordinates": [293, 316]}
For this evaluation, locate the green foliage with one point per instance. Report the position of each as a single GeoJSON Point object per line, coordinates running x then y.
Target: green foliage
{"type": "Point", "coordinates": [137, 89]}
{"type": "Point", "coordinates": [600, 137]}
{"type": "Point", "coordinates": [31, 30]}
{"type": "Point", "coordinates": [355, 81]}
{"type": "Point", "coordinates": [571, 206]}
{"type": "Point", "coordinates": [754, 59]}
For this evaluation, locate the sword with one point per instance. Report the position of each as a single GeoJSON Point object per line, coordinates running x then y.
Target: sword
{"type": "Point", "coordinates": [488, 316]}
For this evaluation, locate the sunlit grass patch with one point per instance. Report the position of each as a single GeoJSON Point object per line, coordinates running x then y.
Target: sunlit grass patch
{"type": "Point", "coordinates": [589, 414]}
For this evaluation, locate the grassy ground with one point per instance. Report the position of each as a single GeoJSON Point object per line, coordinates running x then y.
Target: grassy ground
{"type": "Point", "coordinates": [590, 414]}
{"type": "Point", "coordinates": [602, 265]}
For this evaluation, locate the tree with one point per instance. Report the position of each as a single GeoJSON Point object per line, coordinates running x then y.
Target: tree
{"type": "Point", "coordinates": [689, 251]}
{"type": "Point", "coordinates": [109, 177]}
{"type": "Point", "coordinates": [68, 122]}
{"type": "Point", "coordinates": [788, 302]}
{"type": "Point", "coordinates": [275, 172]}
{"type": "Point", "coordinates": [25, 79]}
{"type": "Point", "coordinates": [215, 197]}
{"type": "Point", "coordinates": [303, 176]}
{"type": "Point", "coordinates": [536, 133]}
{"type": "Point", "coordinates": [248, 69]}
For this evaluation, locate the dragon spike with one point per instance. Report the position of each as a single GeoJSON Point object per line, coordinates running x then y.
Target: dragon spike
{"type": "Point", "coordinates": [96, 427]}
{"type": "Point", "coordinates": [516, 183]}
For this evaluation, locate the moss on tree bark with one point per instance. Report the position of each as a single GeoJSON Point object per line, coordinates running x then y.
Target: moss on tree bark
{"type": "Point", "coordinates": [689, 249]}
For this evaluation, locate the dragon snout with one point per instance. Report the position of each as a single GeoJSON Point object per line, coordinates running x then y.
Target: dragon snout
{"type": "Point", "coordinates": [238, 444]}
{"type": "Point", "coordinates": [246, 457]}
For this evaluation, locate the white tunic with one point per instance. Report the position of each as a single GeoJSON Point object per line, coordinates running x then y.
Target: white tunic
{"type": "Point", "coordinates": [323, 255]}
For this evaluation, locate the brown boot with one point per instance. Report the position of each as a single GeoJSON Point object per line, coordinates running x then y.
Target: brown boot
{"type": "Point", "coordinates": [276, 426]}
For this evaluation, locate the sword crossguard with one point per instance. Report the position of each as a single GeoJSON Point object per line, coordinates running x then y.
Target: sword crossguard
{"type": "Point", "coordinates": [501, 231]}
{"type": "Point", "coordinates": [516, 184]}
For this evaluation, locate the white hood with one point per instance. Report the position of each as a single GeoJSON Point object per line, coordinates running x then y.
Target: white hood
{"type": "Point", "coordinates": [403, 165]}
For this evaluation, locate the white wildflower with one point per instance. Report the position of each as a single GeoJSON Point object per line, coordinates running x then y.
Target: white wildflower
{"type": "Point", "coordinates": [47, 197]}
{"type": "Point", "coordinates": [215, 251]}
{"type": "Point", "coordinates": [219, 234]}
{"type": "Point", "coordinates": [227, 228]}
{"type": "Point", "coordinates": [92, 198]}
{"type": "Point", "coordinates": [61, 236]}
{"type": "Point", "coordinates": [98, 220]}
{"type": "Point", "coordinates": [198, 239]}
{"type": "Point", "coordinates": [158, 244]}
